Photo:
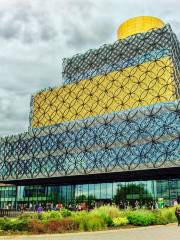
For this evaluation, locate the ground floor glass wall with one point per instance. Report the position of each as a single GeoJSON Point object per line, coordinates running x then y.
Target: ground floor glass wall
{"type": "Point", "coordinates": [142, 191]}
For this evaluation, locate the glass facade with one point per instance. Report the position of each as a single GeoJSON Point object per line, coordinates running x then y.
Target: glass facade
{"type": "Point", "coordinates": [143, 191]}
{"type": "Point", "coordinates": [7, 196]}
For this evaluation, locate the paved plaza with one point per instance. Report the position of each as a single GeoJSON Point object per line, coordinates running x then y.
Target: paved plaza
{"type": "Point", "coordinates": [168, 232]}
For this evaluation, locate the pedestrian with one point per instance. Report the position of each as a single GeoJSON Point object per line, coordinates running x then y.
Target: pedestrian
{"type": "Point", "coordinates": [36, 207]}
{"type": "Point", "coordinates": [177, 213]}
{"type": "Point", "coordinates": [175, 203]}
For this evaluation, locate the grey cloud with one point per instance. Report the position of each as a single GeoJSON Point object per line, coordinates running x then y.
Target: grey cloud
{"type": "Point", "coordinates": [13, 114]}
{"type": "Point", "coordinates": [26, 24]}
{"type": "Point", "coordinates": [93, 35]}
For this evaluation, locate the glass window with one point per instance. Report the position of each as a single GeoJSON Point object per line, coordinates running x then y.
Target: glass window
{"type": "Point", "coordinates": [91, 190]}
{"type": "Point", "coordinates": [60, 194]}
{"type": "Point", "coordinates": [115, 188]}
{"type": "Point", "coordinates": [69, 196]}
{"type": "Point", "coordinates": [103, 190]}
{"type": "Point", "coordinates": [163, 190]}
{"type": "Point", "coordinates": [173, 189]}
{"type": "Point", "coordinates": [178, 187]}
{"type": "Point", "coordinates": [149, 190]}
{"type": "Point", "coordinates": [142, 191]}
{"type": "Point", "coordinates": [97, 191]}
{"type": "Point", "coordinates": [79, 190]}
{"type": "Point", "coordinates": [85, 190]}
{"type": "Point", "coordinates": [109, 190]}
{"type": "Point", "coordinates": [20, 193]}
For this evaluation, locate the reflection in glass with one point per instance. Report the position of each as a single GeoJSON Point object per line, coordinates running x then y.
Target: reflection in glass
{"type": "Point", "coordinates": [141, 191]}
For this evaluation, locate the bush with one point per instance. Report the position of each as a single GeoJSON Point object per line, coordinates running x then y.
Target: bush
{"type": "Point", "coordinates": [141, 218]}
{"type": "Point", "coordinates": [97, 219]}
{"type": "Point", "coordinates": [107, 213]}
{"type": "Point", "coordinates": [120, 221]}
{"type": "Point", "coordinates": [165, 216]}
{"type": "Point", "coordinates": [36, 226]}
{"type": "Point", "coordinates": [28, 216]}
{"type": "Point", "coordinates": [65, 225]}
{"type": "Point", "coordinates": [13, 224]}
{"type": "Point", "coordinates": [111, 211]}
{"type": "Point", "coordinates": [94, 223]}
{"type": "Point", "coordinates": [1, 223]}
{"type": "Point", "coordinates": [91, 223]}
{"type": "Point", "coordinates": [106, 218]}
{"type": "Point", "coordinates": [65, 212]}
{"type": "Point", "coordinates": [46, 216]}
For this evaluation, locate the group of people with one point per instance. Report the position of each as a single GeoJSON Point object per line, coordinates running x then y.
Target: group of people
{"type": "Point", "coordinates": [151, 205]}
{"type": "Point", "coordinates": [39, 207]}
{"type": "Point", "coordinates": [43, 206]}
{"type": "Point", "coordinates": [137, 205]}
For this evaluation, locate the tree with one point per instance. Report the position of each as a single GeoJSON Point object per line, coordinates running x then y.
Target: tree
{"type": "Point", "coordinates": [89, 200]}
{"type": "Point", "coordinates": [133, 189]}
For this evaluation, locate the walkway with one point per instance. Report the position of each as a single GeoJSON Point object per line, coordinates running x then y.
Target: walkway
{"type": "Point", "coordinates": [168, 232]}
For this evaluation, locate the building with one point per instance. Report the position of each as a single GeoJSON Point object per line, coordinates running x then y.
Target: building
{"type": "Point", "coordinates": [111, 132]}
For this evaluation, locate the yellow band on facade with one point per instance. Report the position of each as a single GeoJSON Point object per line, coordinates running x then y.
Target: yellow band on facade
{"type": "Point", "coordinates": [131, 87]}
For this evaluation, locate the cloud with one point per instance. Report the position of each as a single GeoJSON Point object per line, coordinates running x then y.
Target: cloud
{"type": "Point", "coordinates": [36, 35]}
{"type": "Point", "coordinates": [26, 23]}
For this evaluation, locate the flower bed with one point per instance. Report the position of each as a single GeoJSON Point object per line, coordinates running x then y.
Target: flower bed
{"type": "Point", "coordinates": [97, 219]}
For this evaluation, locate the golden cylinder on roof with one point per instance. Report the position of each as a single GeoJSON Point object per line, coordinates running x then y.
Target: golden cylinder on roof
{"type": "Point", "coordinates": [138, 25]}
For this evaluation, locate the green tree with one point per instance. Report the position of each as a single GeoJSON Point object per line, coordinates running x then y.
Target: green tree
{"type": "Point", "coordinates": [132, 189]}
{"type": "Point", "coordinates": [89, 200]}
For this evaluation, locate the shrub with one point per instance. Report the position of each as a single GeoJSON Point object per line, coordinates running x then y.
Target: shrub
{"type": "Point", "coordinates": [120, 221]}
{"type": "Point", "coordinates": [65, 212]}
{"type": "Point", "coordinates": [91, 223]}
{"type": "Point", "coordinates": [53, 226]}
{"type": "Point", "coordinates": [165, 216]}
{"type": "Point", "coordinates": [107, 213]}
{"type": "Point", "coordinates": [65, 225]}
{"type": "Point", "coordinates": [1, 223]}
{"type": "Point", "coordinates": [94, 223]}
{"type": "Point", "coordinates": [111, 211]}
{"type": "Point", "coordinates": [69, 224]}
{"type": "Point", "coordinates": [79, 215]}
{"type": "Point", "coordinates": [13, 224]}
{"type": "Point", "coordinates": [125, 213]}
{"type": "Point", "coordinates": [106, 218]}
{"type": "Point", "coordinates": [141, 218]}
{"type": "Point", "coordinates": [36, 226]}
{"type": "Point", "coordinates": [46, 216]}
{"type": "Point", "coordinates": [28, 216]}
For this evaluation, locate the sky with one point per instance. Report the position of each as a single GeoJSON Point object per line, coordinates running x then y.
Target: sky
{"type": "Point", "coordinates": [35, 35]}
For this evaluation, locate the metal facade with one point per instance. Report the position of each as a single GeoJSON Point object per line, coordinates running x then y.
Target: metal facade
{"type": "Point", "coordinates": [118, 110]}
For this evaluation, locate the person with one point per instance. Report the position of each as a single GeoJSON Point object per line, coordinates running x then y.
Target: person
{"type": "Point", "coordinates": [177, 213]}
{"type": "Point", "coordinates": [136, 204]}
{"type": "Point", "coordinates": [59, 206]}
{"type": "Point", "coordinates": [30, 207]}
{"type": "Point", "coordinates": [70, 207]}
{"type": "Point", "coordinates": [79, 207]}
{"type": "Point", "coordinates": [39, 210]}
{"type": "Point", "coordinates": [121, 205]}
{"type": "Point", "coordinates": [36, 207]}
{"type": "Point", "coordinates": [52, 206]}
{"type": "Point", "coordinates": [156, 205]}
{"type": "Point", "coordinates": [21, 208]}
{"type": "Point", "coordinates": [175, 203]}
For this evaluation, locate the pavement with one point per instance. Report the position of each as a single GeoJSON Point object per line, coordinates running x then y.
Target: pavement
{"type": "Point", "coordinates": [167, 232]}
